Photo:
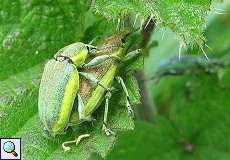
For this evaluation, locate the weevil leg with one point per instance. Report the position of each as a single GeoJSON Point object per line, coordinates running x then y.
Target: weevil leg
{"type": "Point", "coordinates": [107, 131]}
{"type": "Point", "coordinates": [81, 108]}
{"type": "Point", "coordinates": [93, 79]}
{"type": "Point", "coordinates": [76, 141]}
{"type": "Point", "coordinates": [99, 60]}
{"type": "Point", "coordinates": [94, 40]}
{"type": "Point", "coordinates": [128, 105]}
{"type": "Point", "coordinates": [131, 55]}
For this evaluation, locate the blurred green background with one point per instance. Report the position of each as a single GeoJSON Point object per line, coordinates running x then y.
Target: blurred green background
{"type": "Point", "coordinates": [190, 117]}
{"type": "Point", "coordinates": [191, 122]}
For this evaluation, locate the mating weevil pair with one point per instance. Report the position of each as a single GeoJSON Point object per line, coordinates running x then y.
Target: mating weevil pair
{"type": "Point", "coordinates": [64, 80]}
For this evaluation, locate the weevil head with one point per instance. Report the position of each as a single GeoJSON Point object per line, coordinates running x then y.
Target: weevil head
{"type": "Point", "coordinates": [75, 53]}
{"type": "Point", "coordinates": [113, 43]}
{"type": "Point", "coordinates": [116, 40]}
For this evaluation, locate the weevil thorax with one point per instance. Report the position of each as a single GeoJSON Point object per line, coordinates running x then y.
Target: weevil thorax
{"type": "Point", "coordinates": [76, 53]}
{"type": "Point", "coordinates": [110, 46]}
{"type": "Point", "coordinates": [113, 44]}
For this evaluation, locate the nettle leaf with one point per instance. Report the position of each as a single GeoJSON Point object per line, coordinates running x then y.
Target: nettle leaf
{"type": "Point", "coordinates": [31, 33]}
{"type": "Point", "coordinates": [185, 18]}
{"type": "Point", "coordinates": [20, 119]}
{"type": "Point", "coordinates": [118, 9]}
{"type": "Point", "coordinates": [198, 113]}
{"type": "Point", "coordinates": [18, 100]}
{"type": "Point", "coordinates": [37, 29]}
{"type": "Point", "coordinates": [193, 110]}
{"type": "Point", "coordinates": [18, 113]}
{"type": "Point", "coordinates": [192, 122]}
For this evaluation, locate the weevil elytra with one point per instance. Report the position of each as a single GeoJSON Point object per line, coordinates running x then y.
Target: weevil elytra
{"type": "Point", "coordinates": [67, 77]}
{"type": "Point", "coordinates": [59, 86]}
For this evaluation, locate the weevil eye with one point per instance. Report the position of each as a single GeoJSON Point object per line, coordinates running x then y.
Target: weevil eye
{"type": "Point", "coordinates": [91, 49]}
{"type": "Point", "coordinates": [122, 40]}
{"type": "Point", "coordinates": [87, 47]}
{"type": "Point", "coordinates": [62, 58]}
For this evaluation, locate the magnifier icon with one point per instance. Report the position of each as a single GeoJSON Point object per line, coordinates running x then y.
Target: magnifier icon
{"type": "Point", "coordinates": [9, 147]}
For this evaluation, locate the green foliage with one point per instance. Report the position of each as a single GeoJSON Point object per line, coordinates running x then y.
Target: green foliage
{"type": "Point", "coordinates": [193, 109]}
{"type": "Point", "coordinates": [20, 119]}
{"type": "Point", "coordinates": [199, 113]}
{"type": "Point", "coordinates": [31, 33]}
{"type": "Point", "coordinates": [185, 18]}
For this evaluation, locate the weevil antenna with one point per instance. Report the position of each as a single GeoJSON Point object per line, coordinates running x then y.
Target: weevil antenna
{"type": "Point", "coordinates": [77, 141]}
{"type": "Point", "coordinates": [93, 40]}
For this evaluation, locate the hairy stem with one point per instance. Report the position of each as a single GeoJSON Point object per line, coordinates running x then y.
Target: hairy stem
{"type": "Point", "coordinates": [145, 111]}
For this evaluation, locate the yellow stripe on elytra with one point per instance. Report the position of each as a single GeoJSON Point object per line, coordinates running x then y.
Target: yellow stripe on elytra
{"type": "Point", "coordinates": [79, 59]}
{"type": "Point", "coordinates": [98, 94]}
{"type": "Point", "coordinates": [67, 103]}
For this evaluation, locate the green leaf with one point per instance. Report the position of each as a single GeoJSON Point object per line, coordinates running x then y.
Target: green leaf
{"type": "Point", "coordinates": [185, 18]}
{"type": "Point", "coordinates": [199, 113]}
{"type": "Point", "coordinates": [20, 118]}
{"type": "Point", "coordinates": [186, 129]}
{"type": "Point", "coordinates": [31, 32]}
{"type": "Point", "coordinates": [197, 107]}
{"type": "Point", "coordinates": [18, 100]}
{"type": "Point", "coordinates": [58, 24]}
{"type": "Point", "coordinates": [193, 109]}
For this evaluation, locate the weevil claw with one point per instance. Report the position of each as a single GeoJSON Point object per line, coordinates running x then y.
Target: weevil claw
{"type": "Point", "coordinates": [107, 131]}
{"type": "Point", "coordinates": [129, 108]}
{"type": "Point", "coordinates": [131, 113]}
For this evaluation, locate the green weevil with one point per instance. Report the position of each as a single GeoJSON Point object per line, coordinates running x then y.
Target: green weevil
{"type": "Point", "coordinates": [64, 78]}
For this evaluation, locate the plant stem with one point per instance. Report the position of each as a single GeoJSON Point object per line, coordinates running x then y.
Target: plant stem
{"type": "Point", "coordinates": [146, 110]}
